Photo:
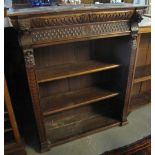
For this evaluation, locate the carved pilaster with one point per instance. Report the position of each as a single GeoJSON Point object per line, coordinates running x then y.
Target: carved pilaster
{"type": "Point", "coordinates": [34, 91]}
{"type": "Point", "coordinates": [133, 46]}
{"type": "Point", "coordinates": [26, 45]}
{"type": "Point", "coordinates": [136, 18]}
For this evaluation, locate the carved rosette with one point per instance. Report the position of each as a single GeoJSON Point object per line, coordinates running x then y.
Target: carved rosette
{"type": "Point", "coordinates": [29, 58]}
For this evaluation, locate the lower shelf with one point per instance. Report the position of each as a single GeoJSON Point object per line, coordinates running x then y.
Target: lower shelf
{"type": "Point", "coordinates": [140, 100]}
{"type": "Point", "coordinates": [80, 122]}
{"type": "Point", "coordinates": [9, 138]}
{"type": "Point", "coordinates": [74, 99]}
{"type": "Point", "coordinates": [15, 149]}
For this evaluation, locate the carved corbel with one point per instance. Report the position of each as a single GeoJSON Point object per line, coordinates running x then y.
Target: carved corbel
{"type": "Point", "coordinates": [25, 41]}
{"type": "Point", "coordinates": [136, 18]}
{"type": "Point", "coordinates": [26, 44]}
{"type": "Point", "coordinates": [24, 24]}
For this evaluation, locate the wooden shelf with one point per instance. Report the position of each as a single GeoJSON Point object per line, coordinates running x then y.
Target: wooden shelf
{"type": "Point", "coordinates": [70, 100]}
{"type": "Point", "coordinates": [7, 130]}
{"type": "Point", "coordinates": [81, 121]}
{"type": "Point", "coordinates": [5, 112]}
{"type": "Point", "coordinates": [71, 70]}
{"type": "Point", "coordinates": [6, 119]}
{"type": "Point", "coordinates": [83, 128]}
{"type": "Point", "coordinates": [140, 100]}
{"type": "Point", "coordinates": [142, 73]}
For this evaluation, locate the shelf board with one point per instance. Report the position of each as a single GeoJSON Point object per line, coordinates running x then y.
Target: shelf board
{"type": "Point", "coordinates": [70, 70]}
{"type": "Point", "coordinates": [140, 100]}
{"type": "Point", "coordinates": [80, 122]}
{"type": "Point", "coordinates": [6, 119]}
{"type": "Point", "coordinates": [81, 129]}
{"type": "Point", "coordinates": [7, 130]}
{"type": "Point", "coordinates": [5, 112]}
{"type": "Point", "coordinates": [142, 73]}
{"type": "Point", "coordinates": [73, 99]}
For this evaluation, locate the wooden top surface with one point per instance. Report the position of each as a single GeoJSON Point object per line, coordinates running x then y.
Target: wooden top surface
{"type": "Point", "coordinates": [145, 25]}
{"type": "Point", "coordinates": [72, 8]}
{"type": "Point", "coordinates": [145, 22]}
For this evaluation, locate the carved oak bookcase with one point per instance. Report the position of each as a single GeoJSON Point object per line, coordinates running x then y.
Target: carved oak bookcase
{"type": "Point", "coordinates": [79, 62]}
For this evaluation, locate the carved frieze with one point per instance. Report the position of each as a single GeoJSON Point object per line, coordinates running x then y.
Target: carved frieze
{"type": "Point", "coordinates": [70, 19]}
{"type": "Point", "coordinates": [79, 31]}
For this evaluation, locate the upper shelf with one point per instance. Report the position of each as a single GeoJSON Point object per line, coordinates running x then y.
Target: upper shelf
{"type": "Point", "coordinates": [70, 70]}
{"type": "Point", "coordinates": [145, 25]}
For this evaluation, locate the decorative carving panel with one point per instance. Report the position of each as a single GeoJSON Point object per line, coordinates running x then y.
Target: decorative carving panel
{"type": "Point", "coordinates": [29, 58]}
{"type": "Point", "coordinates": [45, 28]}
{"type": "Point", "coordinates": [47, 21]}
{"type": "Point", "coordinates": [79, 31]}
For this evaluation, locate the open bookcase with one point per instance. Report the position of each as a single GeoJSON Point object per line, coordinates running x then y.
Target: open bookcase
{"type": "Point", "coordinates": [79, 62]}
{"type": "Point", "coordinates": [76, 86]}
{"type": "Point", "coordinates": [141, 90]}
{"type": "Point", "coordinates": [12, 141]}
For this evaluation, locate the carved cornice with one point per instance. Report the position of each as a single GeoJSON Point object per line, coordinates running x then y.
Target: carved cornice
{"type": "Point", "coordinates": [41, 21]}
{"type": "Point", "coordinates": [38, 29]}
{"type": "Point", "coordinates": [29, 58]}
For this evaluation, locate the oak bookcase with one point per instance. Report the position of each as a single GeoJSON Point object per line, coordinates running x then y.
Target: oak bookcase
{"type": "Point", "coordinates": [141, 89]}
{"type": "Point", "coordinates": [79, 62]}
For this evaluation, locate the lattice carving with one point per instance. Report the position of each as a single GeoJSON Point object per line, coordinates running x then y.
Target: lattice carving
{"type": "Point", "coordinates": [78, 31]}
{"type": "Point", "coordinates": [47, 21]}
{"type": "Point", "coordinates": [29, 58]}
